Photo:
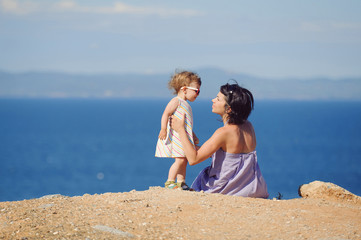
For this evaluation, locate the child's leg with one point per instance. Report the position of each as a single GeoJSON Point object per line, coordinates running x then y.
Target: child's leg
{"type": "Point", "coordinates": [178, 170]}
{"type": "Point", "coordinates": [181, 174]}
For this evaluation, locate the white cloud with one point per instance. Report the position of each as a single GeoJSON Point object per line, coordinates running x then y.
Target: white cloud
{"type": "Point", "coordinates": [31, 6]}
{"type": "Point", "coordinates": [65, 5]}
{"type": "Point", "coordinates": [17, 7]}
{"type": "Point", "coordinates": [330, 26]}
{"type": "Point", "coordinates": [347, 25]}
{"type": "Point", "coordinates": [93, 45]}
{"type": "Point", "coordinates": [164, 12]}
{"type": "Point", "coordinates": [312, 27]}
{"type": "Point", "coordinates": [9, 5]}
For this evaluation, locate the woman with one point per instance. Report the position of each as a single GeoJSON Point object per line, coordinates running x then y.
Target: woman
{"type": "Point", "coordinates": [234, 169]}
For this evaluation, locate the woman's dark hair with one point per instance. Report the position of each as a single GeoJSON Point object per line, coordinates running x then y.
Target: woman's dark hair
{"type": "Point", "coordinates": [240, 100]}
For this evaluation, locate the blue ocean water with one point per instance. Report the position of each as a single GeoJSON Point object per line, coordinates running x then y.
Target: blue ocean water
{"type": "Point", "coordinates": [73, 147]}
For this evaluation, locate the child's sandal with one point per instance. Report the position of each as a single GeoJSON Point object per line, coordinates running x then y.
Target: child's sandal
{"type": "Point", "coordinates": [183, 186]}
{"type": "Point", "coordinates": [170, 185]}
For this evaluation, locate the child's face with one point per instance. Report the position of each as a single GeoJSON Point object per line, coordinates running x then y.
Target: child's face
{"type": "Point", "coordinates": [191, 94]}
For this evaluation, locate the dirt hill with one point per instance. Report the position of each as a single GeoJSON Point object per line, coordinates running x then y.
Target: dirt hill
{"type": "Point", "coordinates": [160, 213]}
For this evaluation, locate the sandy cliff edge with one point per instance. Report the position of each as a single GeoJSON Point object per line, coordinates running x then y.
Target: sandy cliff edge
{"type": "Point", "coordinates": [326, 211]}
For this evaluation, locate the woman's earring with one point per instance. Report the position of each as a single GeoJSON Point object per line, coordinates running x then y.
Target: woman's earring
{"type": "Point", "coordinates": [228, 109]}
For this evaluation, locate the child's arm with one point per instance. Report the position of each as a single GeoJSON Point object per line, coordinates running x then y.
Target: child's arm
{"type": "Point", "coordinates": [168, 111]}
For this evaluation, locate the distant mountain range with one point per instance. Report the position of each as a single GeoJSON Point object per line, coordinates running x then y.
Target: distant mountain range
{"type": "Point", "coordinates": [64, 85]}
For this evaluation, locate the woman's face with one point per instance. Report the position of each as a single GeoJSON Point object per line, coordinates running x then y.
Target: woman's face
{"type": "Point", "coordinates": [219, 103]}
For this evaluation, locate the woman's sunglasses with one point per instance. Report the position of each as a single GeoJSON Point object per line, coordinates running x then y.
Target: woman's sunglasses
{"type": "Point", "coordinates": [192, 88]}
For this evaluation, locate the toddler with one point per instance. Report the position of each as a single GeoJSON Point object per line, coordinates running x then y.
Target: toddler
{"type": "Point", "coordinates": [186, 86]}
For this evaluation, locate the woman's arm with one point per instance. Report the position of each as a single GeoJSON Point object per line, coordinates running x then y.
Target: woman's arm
{"type": "Point", "coordinates": [206, 150]}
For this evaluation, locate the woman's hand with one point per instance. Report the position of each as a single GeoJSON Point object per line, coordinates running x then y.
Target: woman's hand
{"type": "Point", "coordinates": [177, 124]}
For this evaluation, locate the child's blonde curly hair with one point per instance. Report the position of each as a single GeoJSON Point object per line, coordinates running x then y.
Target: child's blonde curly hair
{"type": "Point", "coordinates": [182, 79]}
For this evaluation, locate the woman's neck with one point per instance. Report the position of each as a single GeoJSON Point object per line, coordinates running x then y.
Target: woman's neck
{"type": "Point", "coordinates": [225, 120]}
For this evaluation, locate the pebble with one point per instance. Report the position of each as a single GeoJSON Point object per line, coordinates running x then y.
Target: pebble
{"type": "Point", "coordinates": [112, 230]}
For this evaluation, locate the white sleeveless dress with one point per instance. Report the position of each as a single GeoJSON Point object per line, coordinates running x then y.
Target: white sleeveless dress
{"type": "Point", "coordinates": [171, 146]}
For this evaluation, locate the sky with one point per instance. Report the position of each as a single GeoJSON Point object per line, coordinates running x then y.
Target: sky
{"type": "Point", "coordinates": [265, 38]}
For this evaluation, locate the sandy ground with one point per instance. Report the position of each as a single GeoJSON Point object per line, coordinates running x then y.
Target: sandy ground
{"type": "Point", "coordinates": [160, 213]}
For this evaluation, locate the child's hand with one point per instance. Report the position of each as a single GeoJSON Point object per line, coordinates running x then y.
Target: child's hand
{"type": "Point", "coordinates": [162, 134]}
{"type": "Point", "coordinates": [195, 139]}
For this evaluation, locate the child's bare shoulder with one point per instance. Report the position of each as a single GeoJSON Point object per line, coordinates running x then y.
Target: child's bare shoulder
{"type": "Point", "coordinates": [174, 102]}
{"type": "Point", "coordinates": [172, 105]}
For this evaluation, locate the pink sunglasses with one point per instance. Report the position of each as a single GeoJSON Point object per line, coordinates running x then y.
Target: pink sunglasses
{"type": "Point", "coordinates": [192, 88]}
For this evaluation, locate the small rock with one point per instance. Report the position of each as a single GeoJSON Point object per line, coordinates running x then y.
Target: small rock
{"type": "Point", "coordinates": [113, 231]}
{"type": "Point", "coordinates": [46, 205]}
{"type": "Point", "coordinates": [51, 196]}
{"type": "Point", "coordinates": [326, 190]}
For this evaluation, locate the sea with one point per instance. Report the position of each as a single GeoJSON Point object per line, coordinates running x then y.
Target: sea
{"type": "Point", "coordinates": [74, 147]}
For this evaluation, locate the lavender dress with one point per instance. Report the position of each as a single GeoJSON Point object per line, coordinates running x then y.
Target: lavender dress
{"type": "Point", "coordinates": [232, 174]}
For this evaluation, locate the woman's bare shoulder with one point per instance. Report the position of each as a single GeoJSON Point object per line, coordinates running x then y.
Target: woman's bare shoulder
{"type": "Point", "coordinates": [231, 128]}
{"type": "Point", "coordinates": [220, 135]}
{"type": "Point", "coordinates": [223, 130]}
{"type": "Point", "coordinates": [218, 132]}
{"type": "Point", "coordinates": [226, 131]}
